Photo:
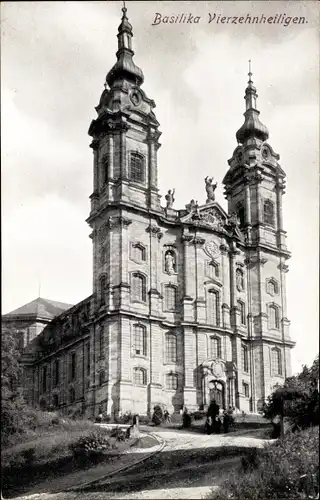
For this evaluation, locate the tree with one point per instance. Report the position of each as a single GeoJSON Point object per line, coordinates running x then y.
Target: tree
{"type": "Point", "coordinates": [12, 402]}
{"type": "Point", "coordinates": [297, 399]}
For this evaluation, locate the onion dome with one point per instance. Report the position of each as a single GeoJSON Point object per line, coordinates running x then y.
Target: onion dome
{"type": "Point", "coordinates": [125, 68]}
{"type": "Point", "coordinates": [252, 127]}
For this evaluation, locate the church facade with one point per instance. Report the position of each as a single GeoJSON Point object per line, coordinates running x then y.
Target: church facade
{"type": "Point", "coordinates": [187, 304]}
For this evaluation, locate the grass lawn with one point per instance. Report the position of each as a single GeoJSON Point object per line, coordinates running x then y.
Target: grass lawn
{"type": "Point", "coordinates": [46, 454]}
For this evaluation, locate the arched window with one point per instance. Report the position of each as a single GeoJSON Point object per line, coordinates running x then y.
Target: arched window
{"type": "Point", "coordinates": [244, 358]}
{"type": "Point", "coordinates": [215, 347]}
{"type": "Point", "coordinates": [55, 400]}
{"type": "Point", "coordinates": [242, 309]}
{"type": "Point", "coordinates": [138, 252]}
{"type": "Point", "coordinates": [136, 167]}
{"type": "Point", "coordinates": [213, 307]}
{"type": "Point", "coordinates": [103, 286]}
{"type": "Point", "coordinates": [101, 341]}
{"type": "Point", "coordinates": [274, 321]}
{"type": "Point", "coordinates": [139, 376]}
{"type": "Point", "coordinates": [101, 378]}
{"type": "Point", "coordinates": [105, 170]}
{"type": "Point", "coordinates": [268, 212]}
{"type": "Point", "coordinates": [272, 287]}
{"type": "Point", "coordinates": [72, 395]}
{"type": "Point", "coordinates": [241, 214]}
{"type": "Point", "coordinates": [44, 379]}
{"type": "Point", "coordinates": [170, 293]}
{"type": "Point", "coordinates": [172, 381]}
{"type": "Point", "coordinates": [139, 340]}
{"type": "Point", "coordinates": [138, 287]}
{"type": "Point", "coordinates": [72, 366]}
{"type": "Point", "coordinates": [276, 362]}
{"type": "Point", "coordinates": [212, 269]}
{"type": "Point", "coordinates": [56, 372]}
{"type": "Point", "coordinates": [171, 348]}
{"type": "Point", "coordinates": [245, 389]}
{"type": "Point", "coordinates": [88, 357]}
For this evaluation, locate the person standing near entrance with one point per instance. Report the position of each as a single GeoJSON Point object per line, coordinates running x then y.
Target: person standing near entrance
{"type": "Point", "coordinates": [212, 414]}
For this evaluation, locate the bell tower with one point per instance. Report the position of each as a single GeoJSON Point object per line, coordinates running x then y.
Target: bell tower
{"type": "Point", "coordinates": [125, 142]}
{"type": "Point", "coordinates": [254, 186]}
{"type": "Point", "coordinates": [125, 134]}
{"type": "Point", "coordinates": [255, 182]}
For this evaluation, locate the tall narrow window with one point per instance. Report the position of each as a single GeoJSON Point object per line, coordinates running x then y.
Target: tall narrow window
{"type": "Point", "coordinates": [244, 358]}
{"type": "Point", "coordinates": [105, 170]}
{"type": "Point", "coordinates": [242, 309]}
{"type": "Point", "coordinates": [138, 288]}
{"type": "Point", "coordinates": [272, 287]}
{"type": "Point", "coordinates": [72, 366]}
{"type": "Point", "coordinates": [139, 340]}
{"type": "Point", "coordinates": [215, 347]}
{"type": "Point", "coordinates": [55, 400]}
{"type": "Point", "coordinates": [274, 317]}
{"type": "Point", "coordinates": [268, 212]}
{"type": "Point", "coordinates": [56, 372]}
{"type": "Point", "coordinates": [171, 348]}
{"type": "Point", "coordinates": [170, 298]}
{"type": "Point", "coordinates": [72, 395]}
{"type": "Point", "coordinates": [101, 378]}
{"type": "Point", "coordinates": [101, 341]}
{"type": "Point", "coordinates": [138, 252]}
{"type": "Point", "coordinates": [103, 285]}
{"type": "Point", "coordinates": [245, 389]}
{"type": "Point", "coordinates": [139, 376]}
{"type": "Point", "coordinates": [276, 362]}
{"type": "Point", "coordinates": [44, 379]}
{"type": "Point", "coordinates": [241, 214]}
{"type": "Point", "coordinates": [172, 381]}
{"type": "Point", "coordinates": [136, 167]}
{"type": "Point", "coordinates": [88, 357]}
{"type": "Point", "coordinates": [213, 307]}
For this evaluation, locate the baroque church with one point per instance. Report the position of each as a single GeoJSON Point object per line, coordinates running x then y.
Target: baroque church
{"type": "Point", "coordinates": [188, 304]}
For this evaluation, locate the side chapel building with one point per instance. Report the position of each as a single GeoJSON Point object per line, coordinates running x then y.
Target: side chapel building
{"type": "Point", "coordinates": [187, 304]}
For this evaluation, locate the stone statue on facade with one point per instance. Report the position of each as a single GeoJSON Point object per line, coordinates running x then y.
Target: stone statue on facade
{"type": "Point", "coordinates": [234, 220]}
{"type": "Point", "coordinates": [170, 198]}
{"type": "Point", "coordinates": [239, 280]}
{"type": "Point", "coordinates": [170, 263]}
{"type": "Point", "coordinates": [210, 188]}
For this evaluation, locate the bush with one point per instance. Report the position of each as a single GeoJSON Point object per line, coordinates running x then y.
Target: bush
{"type": "Point", "coordinates": [287, 469]}
{"type": "Point", "coordinates": [90, 446]}
{"type": "Point", "coordinates": [157, 416]}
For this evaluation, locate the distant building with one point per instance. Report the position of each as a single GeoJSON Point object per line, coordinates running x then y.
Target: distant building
{"type": "Point", "coordinates": [187, 305]}
{"type": "Point", "coordinates": [29, 320]}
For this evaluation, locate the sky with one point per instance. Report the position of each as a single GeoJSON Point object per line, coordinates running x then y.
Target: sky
{"type": "Point", "coordinates": [55, 56]}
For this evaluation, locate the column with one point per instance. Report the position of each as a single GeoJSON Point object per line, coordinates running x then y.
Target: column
{"type": "Point", "coordinates": [225, 287]}
{"type": "Point", "coordinates": [188, 278]}
{"type": "Point", "coordinates": [190, 364]}
{"type": "Point", "coordinates": [154, 261]}
{"type": "Point", "coordinates": [199, 280]}
{"type": "Point", "coordinates": [152, 162]}
{"type": "Point", "coordinates": [247, 202]}
{"type": "Point", "coordinates": [124, 222]}
{"type": "Point", "coordinates": [123, 158]}
{"type": "Point", "coordinates": [110, 155]}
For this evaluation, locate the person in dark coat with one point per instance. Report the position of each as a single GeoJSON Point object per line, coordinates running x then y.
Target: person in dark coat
{"type": "Point", "coordinates": [226, 422]}
{"type": "Point", "coordinates": [212, 414]}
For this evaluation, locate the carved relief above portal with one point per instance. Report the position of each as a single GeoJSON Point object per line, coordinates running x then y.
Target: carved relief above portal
{"type": "Point", "coordinates": [215, 368]}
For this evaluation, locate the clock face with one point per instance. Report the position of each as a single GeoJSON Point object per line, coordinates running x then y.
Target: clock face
{"type": "Point", "coordinates": [265, 153]}
{"type": "Point", "coordinates": [135, 98]}
{"type": "Point", "coordinates": [211, 249]}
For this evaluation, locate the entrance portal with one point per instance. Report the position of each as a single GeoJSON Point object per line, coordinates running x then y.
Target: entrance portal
{"type": "Point", "coordinates": [216, 391]}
